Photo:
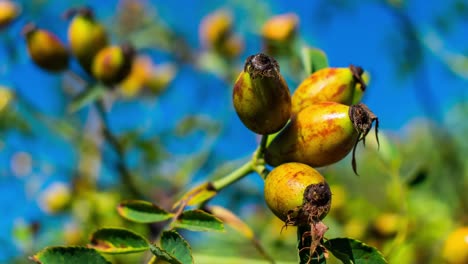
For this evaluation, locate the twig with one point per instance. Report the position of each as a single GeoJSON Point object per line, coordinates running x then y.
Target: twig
{"type": "Point", "coordinates": [126, 176]}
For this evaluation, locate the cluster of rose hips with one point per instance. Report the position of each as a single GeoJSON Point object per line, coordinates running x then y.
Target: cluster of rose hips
{"type": "Point", "coordinates": [317, 126]}
{"type": "Point", "coordinates": [88, 43]}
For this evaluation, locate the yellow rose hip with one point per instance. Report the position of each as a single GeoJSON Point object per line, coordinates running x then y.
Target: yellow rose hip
{"type": "Point", "coordinates": [9, 11]}
{"type": "Point", "coordinates": [113, 64]}
{"type": "Point", "coordinates": [46, 49]}
{"type": "Point", "coordinates": [341, 85]}
{"type": "Point", "coordinates": [86, 36]}
{"type": "Point", "coordinates": [297, 194]}
{"type": "Point", "coordinates": [321, 134]}
{"type": "Point", "coordinates": [455, 249]}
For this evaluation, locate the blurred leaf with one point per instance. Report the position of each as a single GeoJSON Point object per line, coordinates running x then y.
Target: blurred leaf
{"type": "Point", "coordinates": [117, 241]}
{"type": "Point", "coordinates": [198, 220]}
{"type": "Point", "coordinates": [213, 63]}
{"type": "Point", "coordinates": [193, 122]}
{"type": "Point", "coordinates": [313, 60]}
{"type": "Point", "coordinates": [69, 255]}
{"type": "Point", "coordinates": [197, 195]}
{"type": "Point", "coordinates": [240, 226]}
{"type": "Point", "coordinates": [232, 220]}
{"type": "Point", "coordinates": [142, 212]}
{"type": "Point", "coordinates": [89, 95]}
{"type": "Point", "coordinates": [173, 243]}
{"type": "Point", "coordinates": [153, 150]}
{"type": "Point", "coordinates": [12, 120]}
{"type": "Point", "coordinates": [212, 259]}
{"type": "Point", "coordinates": [163, 255]}
{"type": "Point", "coordinates": [352, 251]}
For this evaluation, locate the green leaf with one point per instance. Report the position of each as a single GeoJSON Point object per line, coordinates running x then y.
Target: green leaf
{"type": "Point", "coordinates": [69, 255]}
{"type": "Point", "coordinates": [351, 251]}
{"type": "Point", "coordinates": [177, 246]}
{"type": "Point", "coordinates": [142, 212]}
{"type": "Point", "coordinates": [198, 220]}
{"type": "Point", "coordinates": [162, 254]}
{"type": "Point", "coordinates": [313, 59]}
{"type": "Point", "coordinates": [89, 95]}
{"type": "Point", "coordinates": [118, 241]}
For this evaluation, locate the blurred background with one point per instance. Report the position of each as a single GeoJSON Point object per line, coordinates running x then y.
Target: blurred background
{"type": "Point", "coordinates": [61, 177]}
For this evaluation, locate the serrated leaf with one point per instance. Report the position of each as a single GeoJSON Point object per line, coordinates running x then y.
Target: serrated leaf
{"type": "Point", "coordinates": [173, 243]}
{"type": "Point", "coordinates": [354, 252]}
{"type": "Point", "coordinates": [142, 211]}
{"type": "Point", "coordinates": [197, 195]}
{"type": "Point", "coordinates": [198, 220]}
{"type": "Point", "coordinates": [313, 59]}
{"type": "Point", "coordinates": [118, 241]}
{"type": "Point", "coordinates": [162, 254]}
{"type": "Point", "coordinates": [89, 95]}
{"type": "Point", "coordinates": [69, 255]}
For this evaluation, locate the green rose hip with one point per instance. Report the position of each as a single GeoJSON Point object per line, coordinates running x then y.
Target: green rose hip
{"type": "Point", "coordinates": [261, 96]}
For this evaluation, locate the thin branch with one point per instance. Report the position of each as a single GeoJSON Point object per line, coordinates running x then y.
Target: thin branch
{"type": "Point", "coordinates": [126, 176]}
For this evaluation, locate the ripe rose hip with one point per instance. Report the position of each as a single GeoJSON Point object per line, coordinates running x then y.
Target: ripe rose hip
{"type": "Point", "coordinates": [341, 85]}
{"type": "Point", "coordinates": [321, 134]}
{"type": "Point", "coordinates": [455, 249]}
{"type": "Point", "coordinates": [46, 49]}
{"type": "Point", "coordinates": [261, 96]}
{"type": "Point", "coordinates": [297, 194]}
{"type": "Point", "coordinates": [9, 11]}
{"type": "Point", "coordinates": [86, 36]}
{"type": "Point", "coordinates": [113, 64]}
{"type": "Point", "coordinates": [278, 34]}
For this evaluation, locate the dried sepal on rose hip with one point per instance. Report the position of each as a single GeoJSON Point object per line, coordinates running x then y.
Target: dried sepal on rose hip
{"type": "Point", "coordinates": [261, 96]}
{"type": "Point", "coordinates": [45, 49]}
{"type": "Point", "coordinates": [86, 35]}
{"type": "Point", "coordinates": [341, 85]}
{"type": "Point", "coordinates": [322, 134]}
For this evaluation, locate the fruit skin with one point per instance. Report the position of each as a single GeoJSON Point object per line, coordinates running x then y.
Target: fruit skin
{"type": "Point", "coordinates": [455, 249]}
{"type": "Point", "coordinates": [285, 188]}
{"type": "Point", "coordinates": [46, 49]}
{"type": "Point", "coordinates": [113, 64]}
{"type": "Point", "coordinates": [261, 96]}
{"type": "Point", "coordinates": [341, 85]}
{"type": "Point", "coordinates": [9, 11]}
{"type": "Point", "coordinates": [319, 135]}
{"type": "Point", "coordinates": [85, 35]}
